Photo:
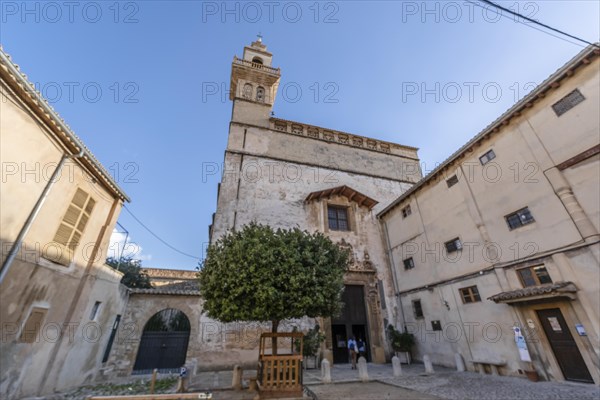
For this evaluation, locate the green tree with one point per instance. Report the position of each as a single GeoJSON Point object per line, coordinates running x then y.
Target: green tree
{"type": "Point", "coordinates": [134, 276]}
{"type": "Point", "coordinates": [261, 274]}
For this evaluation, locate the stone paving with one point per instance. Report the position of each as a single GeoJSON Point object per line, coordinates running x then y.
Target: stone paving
{"type": "Point", "coordinates": [412, 385]}
{"type": "Point", "coordinates": [444, 383]}
{"type": "Point", "coordinates": [367, 391]}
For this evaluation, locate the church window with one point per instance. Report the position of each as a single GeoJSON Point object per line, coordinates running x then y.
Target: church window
{"type": "Point", "coordinates": [260, 94]}
{"type": "Point", "coordinates": [247, 91]}
{"type": "Point", "coordinates": [409, 263]}
{"type": "Point", "coordinates": [436, 325]}
{"type": "Point", "coordinates": [338, 218]}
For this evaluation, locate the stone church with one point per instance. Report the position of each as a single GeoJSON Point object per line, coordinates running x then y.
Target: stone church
{"type": "Point", "coordinates": [365, 194]}
{"type": "Point", "coordinates": [292, 174]}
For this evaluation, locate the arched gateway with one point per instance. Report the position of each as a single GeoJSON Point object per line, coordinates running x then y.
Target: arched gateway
{"type": "Point", "coordinates": [164, 342]}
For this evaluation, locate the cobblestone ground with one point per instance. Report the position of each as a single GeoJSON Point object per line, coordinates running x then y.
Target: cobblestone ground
{"type": "Point", "coordinates": [444, 384]}
{"type": "Point", "coordinates": [367, 391]}
{"type": "Point", "coordinates": [412, 385]}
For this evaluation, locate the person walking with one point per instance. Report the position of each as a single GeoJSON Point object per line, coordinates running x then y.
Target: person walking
{"type": "Point", "coordinates": [362, 348]}
{"type": "Point", "coordinates": [353, 348]}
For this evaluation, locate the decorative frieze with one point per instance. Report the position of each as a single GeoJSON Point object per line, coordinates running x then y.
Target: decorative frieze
{"type": "Point", "coordinates": [281, 126]}
{"type": "Point", "coordinates": [333, 136]}
{"type": "Point", "coordinates": [297, 129]}
{"type": "Point", "coordinates": [328, 135]}
{"type": "Point", "coordinates": [312, 132]}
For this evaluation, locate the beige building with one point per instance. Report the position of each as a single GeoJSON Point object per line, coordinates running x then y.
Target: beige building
{"type": "Point", "coordinates": [290, 174]}
{"type": "Point", "coordinates": [504, 234]}
{"type": "Point", "coordinates": [58, 301]}
{"type": "Point", "coordinates": [160, 327]}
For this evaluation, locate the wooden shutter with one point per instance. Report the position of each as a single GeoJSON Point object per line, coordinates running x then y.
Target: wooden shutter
{"type": "Point", "coordinates": [71, 228]}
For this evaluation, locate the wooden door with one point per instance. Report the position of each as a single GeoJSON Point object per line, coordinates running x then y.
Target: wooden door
{"type": "Point", "coordinates": [352, 322]}
{"type": "Point", "coordinates": [563, 346]}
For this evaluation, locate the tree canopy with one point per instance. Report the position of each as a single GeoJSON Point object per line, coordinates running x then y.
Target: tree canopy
{"type": "Point", "coordinates": [262, 274]}
{"type": "Point", "coordinates": [134, 276]}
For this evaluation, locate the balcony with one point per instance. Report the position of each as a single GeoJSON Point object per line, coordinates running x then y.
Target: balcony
{"type": "Point", "coordinates": [250, 64]}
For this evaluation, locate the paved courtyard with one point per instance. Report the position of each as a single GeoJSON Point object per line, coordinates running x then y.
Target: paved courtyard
{"type": "Point", "coordinates": [414, 384]}
{"type": "Point", "coordinates": [443, 384]}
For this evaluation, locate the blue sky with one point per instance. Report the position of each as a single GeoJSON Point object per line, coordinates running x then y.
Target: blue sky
{"type": "Point", "coordinates": [137, 81]}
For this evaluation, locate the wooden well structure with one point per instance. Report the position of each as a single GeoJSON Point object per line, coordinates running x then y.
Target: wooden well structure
{"type": "Point", "coordinates": [280, 373]}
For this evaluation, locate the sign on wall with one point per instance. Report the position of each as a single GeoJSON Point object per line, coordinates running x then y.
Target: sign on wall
{"type": "Point", "coordinates": [521, 345]}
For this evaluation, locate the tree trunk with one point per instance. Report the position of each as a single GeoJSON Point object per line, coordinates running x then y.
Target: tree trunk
{"type": "Point", "coordinates": [274, 326]}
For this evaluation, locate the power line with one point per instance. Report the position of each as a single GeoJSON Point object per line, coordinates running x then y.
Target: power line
{"type": "Point", "coordinates": [158, 237]}
{"type": "Point", "coordinates": [528, 25]}
{"type": "Point", "coordinates": [491, 3]}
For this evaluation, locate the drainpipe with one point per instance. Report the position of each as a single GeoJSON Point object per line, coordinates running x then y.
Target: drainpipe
{"type": "Point", "coordinates": [34, 213]}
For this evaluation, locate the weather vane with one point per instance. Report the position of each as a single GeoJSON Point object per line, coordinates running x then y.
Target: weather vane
{"type": "Point", "coordinates": [259, 36]}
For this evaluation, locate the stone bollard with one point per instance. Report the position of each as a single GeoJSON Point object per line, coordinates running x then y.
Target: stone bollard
{"type": "Point", "coordinates": [363, 373]}
{"type": "Point", "coordinates": [236, 382]}
{"type": "Point", "coordinates": [325, 371]}
{"type": "Point", "coordinates": [428, 365]}
{"type": "Point", "coordinates": [460, 363]}
{"type": "Point", "coordinates": [397, 366]}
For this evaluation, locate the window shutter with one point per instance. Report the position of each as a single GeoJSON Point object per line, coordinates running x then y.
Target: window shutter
{"type": "Point", "coordinates": [71, 228]}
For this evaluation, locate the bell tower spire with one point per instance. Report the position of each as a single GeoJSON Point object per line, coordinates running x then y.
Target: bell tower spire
{"type": "Point", "coordinates": [254, 84]}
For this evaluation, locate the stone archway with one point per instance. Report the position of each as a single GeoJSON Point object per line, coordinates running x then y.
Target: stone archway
{"type": "Point", "coordinates": [164, 342]}
{"type": "Point", "coordinates": [364, 275]}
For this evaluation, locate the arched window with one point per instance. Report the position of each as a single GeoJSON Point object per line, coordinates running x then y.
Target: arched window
{"type": "Point", "coordinates": [257, 60]}
{"type": "Point", "coordinates": [247, 91]}
{"type": "Point", "coordinates": [260, 94]}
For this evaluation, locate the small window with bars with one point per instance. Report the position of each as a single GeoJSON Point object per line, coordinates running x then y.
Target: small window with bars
{"type": "Point", "coordinates": [470, 294]}
{"type": "Point", "coordinates": [406, 211]}
{"type": "Point", "coordinates": [487, 157]}
{"type": "Point", "coordinates": [534, 276]}
{"type": "Point", "coordinates": [453, 245]}
{"type": "Point", "coordinates": [409, 263]}
{"type": "Point", "coordinates": [417, 309]}
{"type": "Point", "coordinates": [71, 228]}
{"type": "Point", "coordinates": [519, 218]}
{"type": "Point", "coordinates": [567, 102]}
{"type": "Point", "coordinates": [95, 309]}
{"type": "Point", "coordinates": [453, 180]}
{"type": "Point", "coordinates": [338, 218]}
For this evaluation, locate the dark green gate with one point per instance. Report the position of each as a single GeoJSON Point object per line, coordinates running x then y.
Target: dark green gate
{"type": "Point", "coordinates": [164, 343]}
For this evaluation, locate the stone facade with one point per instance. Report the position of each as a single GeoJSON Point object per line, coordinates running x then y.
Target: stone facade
{"type": "Point", "coordinates": [288, 174]}
{"type": "Point", "coordinates": [526, 221]}
{"type": "Point", "coordinates": [57, 298]}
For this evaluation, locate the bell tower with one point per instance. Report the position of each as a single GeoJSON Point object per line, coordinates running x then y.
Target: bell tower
{"type": "Point", "coordinates": [254, 84]}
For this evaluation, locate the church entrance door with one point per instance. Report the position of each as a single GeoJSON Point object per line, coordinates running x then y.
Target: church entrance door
{"type": "Point", "coordinates": [351, 322]}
